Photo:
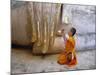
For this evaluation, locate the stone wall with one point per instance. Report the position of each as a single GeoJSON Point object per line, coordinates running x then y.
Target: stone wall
{"type": "Point", "coordinates": [83, 18]}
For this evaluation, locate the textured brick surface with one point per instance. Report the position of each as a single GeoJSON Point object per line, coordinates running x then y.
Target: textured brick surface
{"type": "Point", "coordinates": [83, 18]}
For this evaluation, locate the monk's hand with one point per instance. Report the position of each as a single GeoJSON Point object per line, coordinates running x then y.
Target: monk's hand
{"type": "Point", "coordinates": [63, 31]}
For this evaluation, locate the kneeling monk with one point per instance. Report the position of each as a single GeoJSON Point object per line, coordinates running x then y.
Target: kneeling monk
{"type": "Point", "coordinates": [68, 56]}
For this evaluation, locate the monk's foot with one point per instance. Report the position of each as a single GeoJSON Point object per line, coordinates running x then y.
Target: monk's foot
{"type": "Point", "coordinates": [71, 66]}
{"type": "Point", "coordinates": [60, 63]}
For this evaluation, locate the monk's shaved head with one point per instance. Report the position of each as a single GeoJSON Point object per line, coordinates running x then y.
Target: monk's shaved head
{"type": "Point", "coordinates": [73, 30]}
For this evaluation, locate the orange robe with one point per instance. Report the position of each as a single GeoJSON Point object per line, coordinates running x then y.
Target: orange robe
{"type": "Point", "coordinates": [69, 47]}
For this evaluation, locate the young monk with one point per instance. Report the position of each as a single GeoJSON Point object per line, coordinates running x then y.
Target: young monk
{"type": "Point", "coordinates": [68, 56]}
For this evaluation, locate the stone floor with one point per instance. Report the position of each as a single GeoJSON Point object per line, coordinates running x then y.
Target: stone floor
{"type": "Point", "coordinates": [23, 61]}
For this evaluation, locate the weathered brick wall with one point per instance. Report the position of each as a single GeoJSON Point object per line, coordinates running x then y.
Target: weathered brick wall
{"type": "Point", "coordinates": [83, 18]}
